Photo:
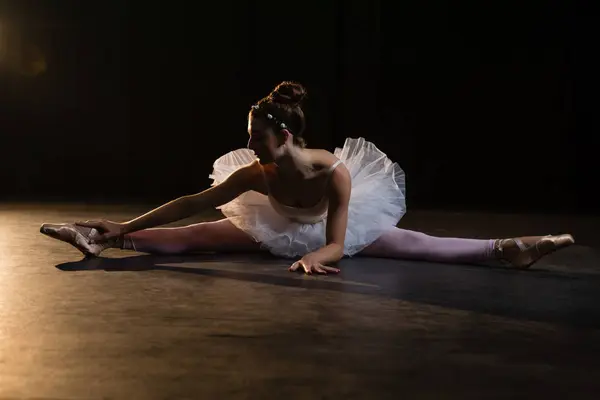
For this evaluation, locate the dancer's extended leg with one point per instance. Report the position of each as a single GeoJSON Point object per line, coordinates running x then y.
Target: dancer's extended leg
{"type": "Point", "coordinates": [520, 252]}
{"type": "Point", "coordinates": [214, 236]}
{"type": "Point", "coordinates": [406, 244]}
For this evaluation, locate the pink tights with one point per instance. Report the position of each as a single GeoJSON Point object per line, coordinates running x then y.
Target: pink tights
{"type": "Point", "coordinates": [406, 244]}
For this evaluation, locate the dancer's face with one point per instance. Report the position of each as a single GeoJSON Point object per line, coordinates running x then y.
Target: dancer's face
{"type": "Point", "coordinates": [263, 140]}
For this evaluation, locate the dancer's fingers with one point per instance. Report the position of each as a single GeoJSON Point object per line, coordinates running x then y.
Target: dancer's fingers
{"type": "Point", "coordinates": [319, 268]}
{"type": "Point", "coordinates": [330, 269]}
{"type": "Point", "coordinates": [294, 266]}
{"type": "Point", "coordinates": [98, 238]}
{"type": "Point", "coordinates": [298, 264]}
{"type": "Point", "coordinates": [307, 268]}
{"type": "Point", "coordinates": [92, 224]}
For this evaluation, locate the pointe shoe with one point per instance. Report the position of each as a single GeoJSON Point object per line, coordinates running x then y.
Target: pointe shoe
{"type": "Point", "coordinates": [77, 236]}
{"type": "Point", "coordinates": [530, 254]}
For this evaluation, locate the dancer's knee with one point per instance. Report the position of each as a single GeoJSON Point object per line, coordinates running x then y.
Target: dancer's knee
{"type": "Point", "coordinates": [204, 236]}
{"type": "Point", "coordinates": [214, 236]}
{"type": "Point", "coordinates": [170, 240]}
{"type": "Point", "coordinates": [197, 237]}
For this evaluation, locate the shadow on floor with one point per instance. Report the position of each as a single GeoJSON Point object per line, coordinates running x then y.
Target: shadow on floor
{"type": "Point", "coordinates": [539, 295]}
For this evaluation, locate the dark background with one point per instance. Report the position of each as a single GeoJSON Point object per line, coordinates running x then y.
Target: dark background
{"type": "Point", "coordinates": [486, 105]}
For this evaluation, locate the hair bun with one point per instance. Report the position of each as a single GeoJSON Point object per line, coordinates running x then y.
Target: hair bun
{"type": "Point", "coordinates": [290, 93]}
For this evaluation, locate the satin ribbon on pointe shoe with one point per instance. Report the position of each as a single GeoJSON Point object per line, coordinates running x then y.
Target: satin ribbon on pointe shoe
{"type": "Point", "coordinates": [528, 255]}
{"type": "Point", "coordinates": [77, 236]}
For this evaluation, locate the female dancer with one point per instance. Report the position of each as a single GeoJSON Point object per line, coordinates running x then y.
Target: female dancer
{"type": "Point", "coordinates": [297, 202]}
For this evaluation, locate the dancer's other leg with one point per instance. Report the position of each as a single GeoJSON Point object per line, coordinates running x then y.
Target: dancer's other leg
{"type": "Point", "coordinates": [521, 252]}
{"type": "Point", "coordinates": [406, 244]}
{"type": "Point", "coordinates": [216, 236]}
{"type": "Point", "coordinates": [213, 236]}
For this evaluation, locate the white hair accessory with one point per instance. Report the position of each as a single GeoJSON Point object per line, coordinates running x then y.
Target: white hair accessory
{"type": "Point", "coordinates": [272, 118]}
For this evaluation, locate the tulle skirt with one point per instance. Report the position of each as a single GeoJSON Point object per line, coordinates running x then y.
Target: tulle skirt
{"type": "Point", "coordinates": [377, 203]}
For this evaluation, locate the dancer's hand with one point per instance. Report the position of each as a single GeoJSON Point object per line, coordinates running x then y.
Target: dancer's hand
{"type": "Point", "coordinates": [309, 266]}
{"type": "Point", "coordinates": [107, 230]}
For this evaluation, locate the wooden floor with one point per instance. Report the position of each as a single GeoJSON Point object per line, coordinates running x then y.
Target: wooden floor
{"type": "Point", "coordinates": [133, 326]}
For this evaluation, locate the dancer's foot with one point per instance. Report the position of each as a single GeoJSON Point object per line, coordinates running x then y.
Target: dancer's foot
{"type": "Point", "coordinates": [525, 251]}
{"type": "Point", "coordinates": [78, 236]}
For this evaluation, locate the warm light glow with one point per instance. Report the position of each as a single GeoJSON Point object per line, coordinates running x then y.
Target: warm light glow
{"type": "Point", "coordinates": [8, 263]}
{"type": "Point", "coordinates": [2, 40]}
{"type": "Point", "coordinates": [17, 55]}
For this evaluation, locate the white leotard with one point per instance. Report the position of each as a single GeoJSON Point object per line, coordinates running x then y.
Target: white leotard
{"type": "Point", "coordinates": [305, 215]}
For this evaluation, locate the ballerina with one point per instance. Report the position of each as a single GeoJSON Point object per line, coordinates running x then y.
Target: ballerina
{"type": "Point", "coordinates": [312, 205]}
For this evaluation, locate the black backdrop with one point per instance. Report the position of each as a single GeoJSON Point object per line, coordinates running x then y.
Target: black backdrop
{"type": "Point", "coordinates": [486, 105]}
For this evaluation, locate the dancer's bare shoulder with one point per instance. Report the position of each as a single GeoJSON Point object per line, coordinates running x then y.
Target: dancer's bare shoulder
{"type": "Point", "coordinates": [251, 177]}
{"type": "Point", "coordinates": [321, 159]}
{"type": "Point", "coordinates": [339, 178]}
{"type": "Point", "coordinates": [246, 178]}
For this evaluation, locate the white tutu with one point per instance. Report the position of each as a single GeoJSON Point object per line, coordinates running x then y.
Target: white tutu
{"type": "Point", "coordinates": [377, 202]}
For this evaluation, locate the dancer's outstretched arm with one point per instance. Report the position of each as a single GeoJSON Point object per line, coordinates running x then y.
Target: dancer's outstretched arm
{"type": "Point", "coordinates": [244, 179]}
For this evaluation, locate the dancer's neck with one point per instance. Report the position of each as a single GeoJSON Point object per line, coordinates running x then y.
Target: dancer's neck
{"type": "Point", "coordinates": [293, 164]}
